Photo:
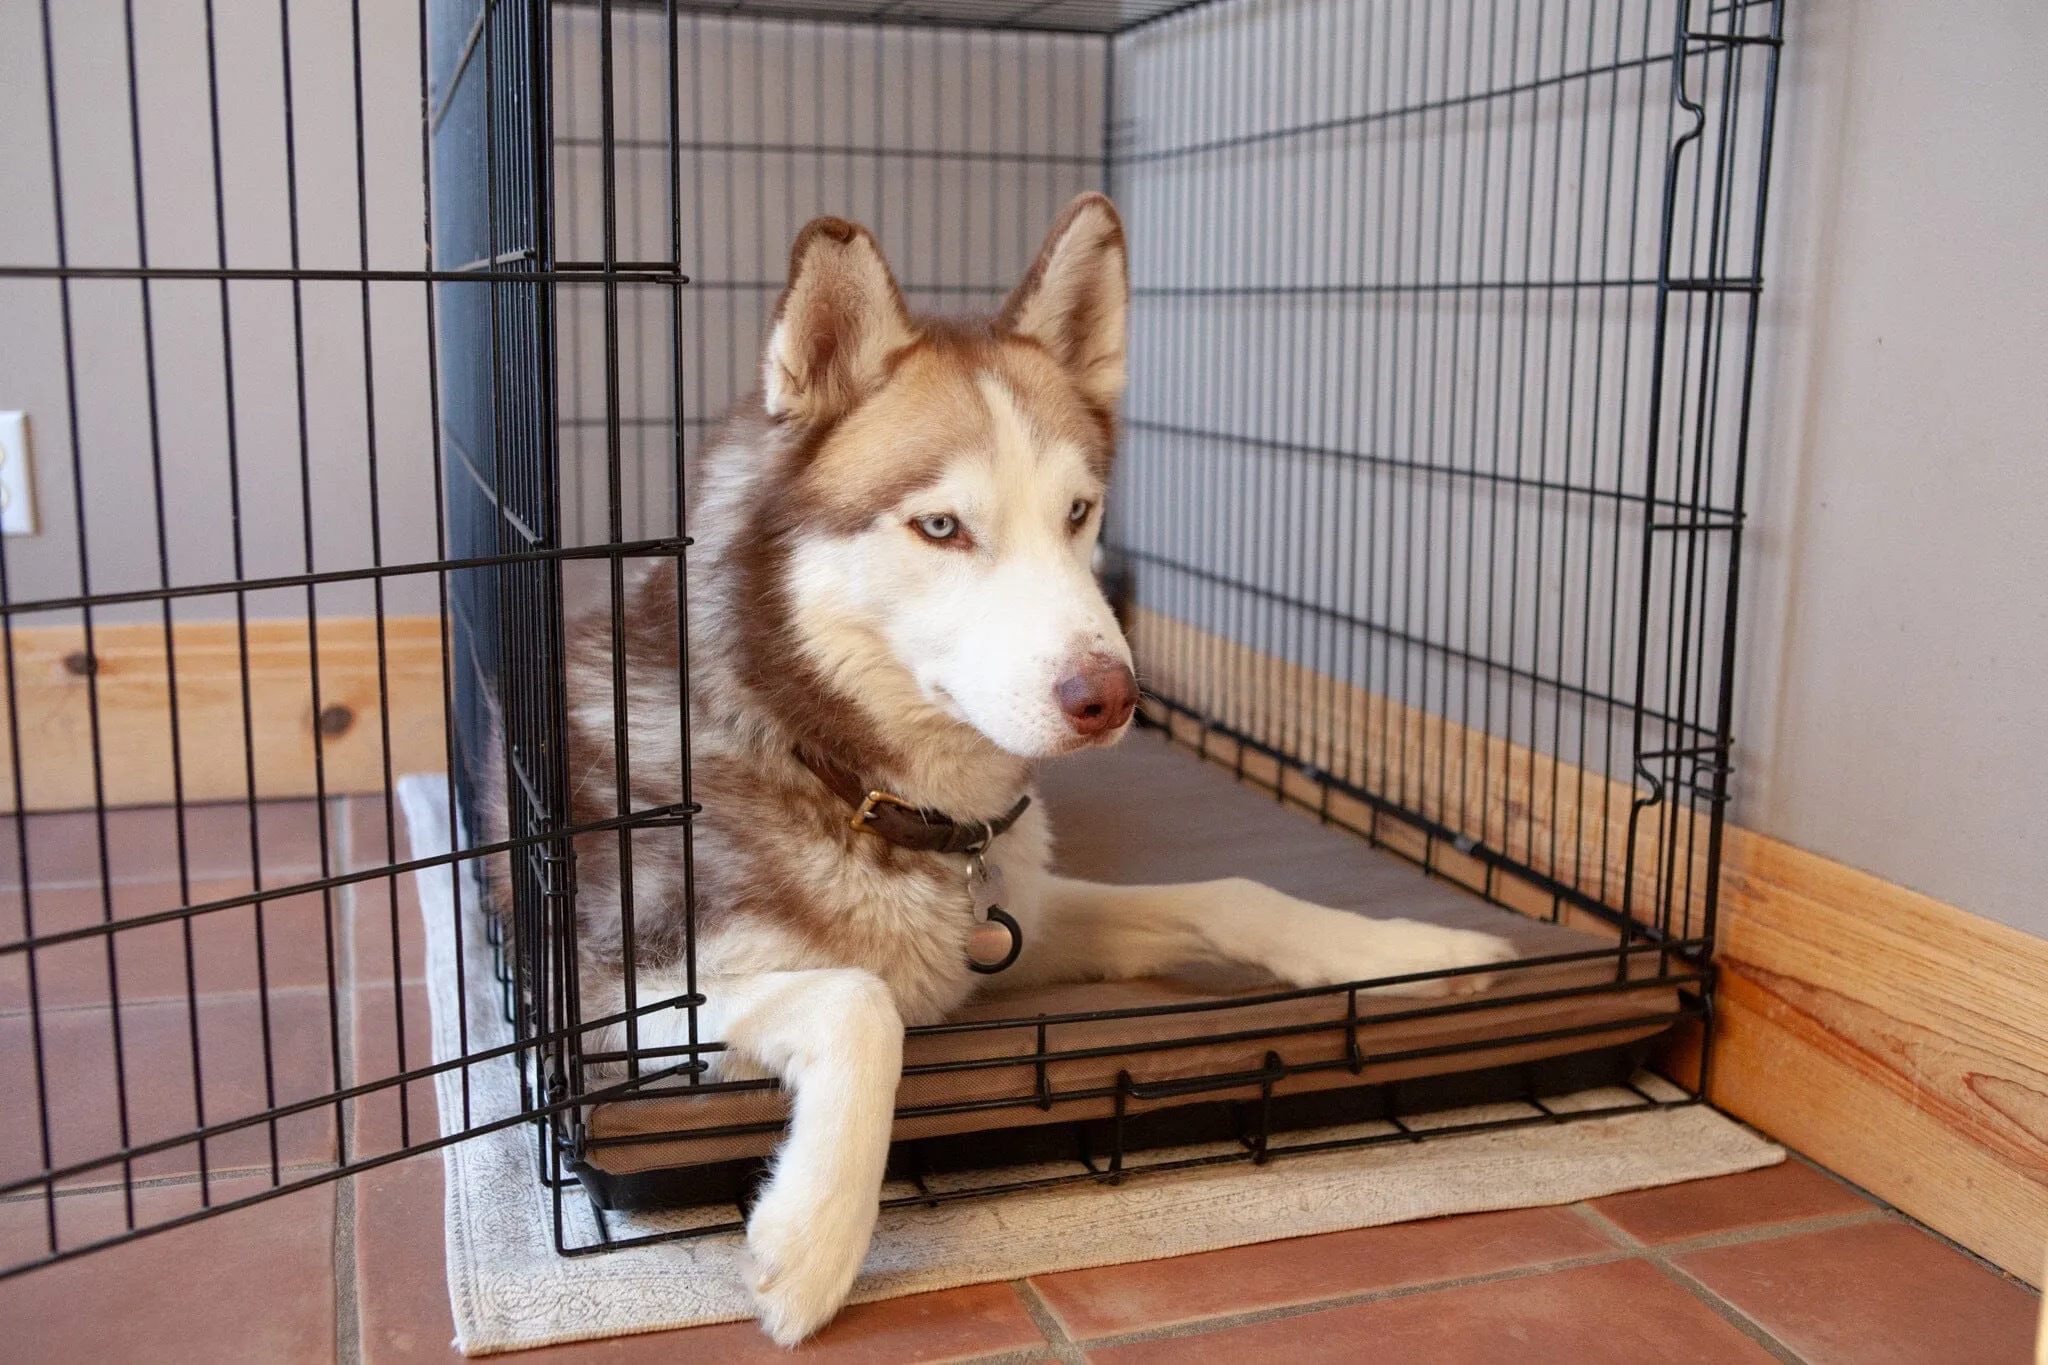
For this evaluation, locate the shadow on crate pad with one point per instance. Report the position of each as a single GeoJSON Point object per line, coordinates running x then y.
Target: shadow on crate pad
{"type": "Point", "coordinates": [1091, 1071]}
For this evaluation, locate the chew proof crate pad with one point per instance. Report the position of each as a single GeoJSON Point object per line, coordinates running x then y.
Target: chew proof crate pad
{"type": "Point", "coordinates": [1089, 1071]}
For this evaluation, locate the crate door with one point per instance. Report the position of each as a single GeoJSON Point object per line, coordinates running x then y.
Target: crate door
{"type": "Point", "coordinates": [284, 299]}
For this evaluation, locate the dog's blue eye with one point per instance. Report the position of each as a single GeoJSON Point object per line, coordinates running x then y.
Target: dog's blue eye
{"type": "Point", "coordinates": [937, 527]}
{"type": "Point", "coordinates": [1078, 513]}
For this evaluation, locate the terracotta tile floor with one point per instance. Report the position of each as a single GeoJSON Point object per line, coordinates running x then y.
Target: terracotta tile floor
{"type": "Point", "coordinates": [1787, 1264]}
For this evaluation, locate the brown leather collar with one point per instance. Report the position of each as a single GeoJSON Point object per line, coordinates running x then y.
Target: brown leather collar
{"type": "Point", "coordinates": [896, 821]}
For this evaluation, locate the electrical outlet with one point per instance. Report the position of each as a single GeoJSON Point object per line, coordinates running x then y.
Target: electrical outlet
{"type": "Point", "coordinates": [17, 478]}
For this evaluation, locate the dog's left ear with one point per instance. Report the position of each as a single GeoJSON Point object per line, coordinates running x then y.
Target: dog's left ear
{"type": "Point", "coordinates": [1076, 297]}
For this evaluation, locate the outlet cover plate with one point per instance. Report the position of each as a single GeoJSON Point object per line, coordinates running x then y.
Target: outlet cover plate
{"type": "Point", "coordinates": [17, 479]}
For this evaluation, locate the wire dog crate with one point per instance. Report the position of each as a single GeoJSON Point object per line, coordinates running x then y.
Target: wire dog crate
{"type": "Point", "coordinates": [1427, 517]}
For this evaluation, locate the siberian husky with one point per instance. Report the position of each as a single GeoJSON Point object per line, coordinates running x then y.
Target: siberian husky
{"type": "Point", "coordinates": [892, 618]}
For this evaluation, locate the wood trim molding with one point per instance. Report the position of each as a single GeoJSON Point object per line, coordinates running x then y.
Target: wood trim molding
{"type": "Point", "coordinates": [51, 704]}
{"type": "Point", "coordinates": [1897, 1040]}
{"type": "Point", "coordinates": [1894, 1039]}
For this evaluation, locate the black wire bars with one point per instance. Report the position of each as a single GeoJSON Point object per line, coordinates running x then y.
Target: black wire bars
{"type": "Point", "coordinates": [363, 343]}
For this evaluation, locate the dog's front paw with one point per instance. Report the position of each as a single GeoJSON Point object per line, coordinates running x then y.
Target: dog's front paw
{"type": "Point", "coordinates": [1370, 949]}
{"type": "Point", "coordinates": [806, 1247]}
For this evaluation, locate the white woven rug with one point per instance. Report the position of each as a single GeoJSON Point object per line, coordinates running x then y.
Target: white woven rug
{"type": "Point", "coordinates": [509, 1289]}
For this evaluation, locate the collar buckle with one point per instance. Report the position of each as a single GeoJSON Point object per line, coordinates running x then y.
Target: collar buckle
{"type": "Point", "coordinates": [863, 818]}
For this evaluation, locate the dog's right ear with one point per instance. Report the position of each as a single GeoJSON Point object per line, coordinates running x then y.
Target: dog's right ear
{"type": "Point", "coordinates": [839, 321]}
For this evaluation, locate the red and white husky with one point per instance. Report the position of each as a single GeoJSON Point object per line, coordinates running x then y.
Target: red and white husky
{"type": "Point", "coordinates": [891, 592]}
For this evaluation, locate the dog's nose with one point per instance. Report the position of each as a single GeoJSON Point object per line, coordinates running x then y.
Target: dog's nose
{"type": "Point", "coordinates": [1098, 696]}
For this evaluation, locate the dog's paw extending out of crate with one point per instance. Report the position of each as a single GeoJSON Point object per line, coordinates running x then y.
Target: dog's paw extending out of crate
{"type": "Point", "coordinates": [806, 1246]}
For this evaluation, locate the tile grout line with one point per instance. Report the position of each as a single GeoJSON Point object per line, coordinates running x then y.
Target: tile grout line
{"type": "Point", "coordinates": [312, 990]}
{"type": "Point", "coordinates": [1836, 1177]}
{"type": "Point", "coordinates": [1726, 1311]}
{"type": "Point", "coordinates": [1624, 1248]}
{"type": "Point", "coordinates": [347, 1308]}
{"type": "Point", "coordinates": [1659, 1257]}
{"type": "Point", "coordinates": [1728, 1237]}
{"type": "Point", "coordinates": [1022, 1355]}
{"type": "Point", "coordinates": [348, 1345]}
{"type": "Point", "coordinates": [168, 878]}
{"type": "Point", "coordinates": [1252, 1317]}
{"type": "Point", "coordinates": [1983, 1262]}
{"type": "Point", "coordinates": [214, 1175]}
{"type": "Point", "coordinates": [1048, 1322]}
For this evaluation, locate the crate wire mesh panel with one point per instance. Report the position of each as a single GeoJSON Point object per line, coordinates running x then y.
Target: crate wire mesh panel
{"type": "Point", "coordinates": [1427, 515]}
{"type": "Point", "coordinates": [1434, 463]}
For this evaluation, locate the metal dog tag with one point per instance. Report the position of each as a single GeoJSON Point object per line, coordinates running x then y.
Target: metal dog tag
{"type": "Point", "coordinates": [995, 940]}
{"type": "Point", "coordinates": [984, 884]}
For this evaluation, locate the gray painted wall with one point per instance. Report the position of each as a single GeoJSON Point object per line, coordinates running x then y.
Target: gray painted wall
{"type": "Point", "coordinates": [348, 389]}
{"type": "Point", "coordinates": [1897, 626]}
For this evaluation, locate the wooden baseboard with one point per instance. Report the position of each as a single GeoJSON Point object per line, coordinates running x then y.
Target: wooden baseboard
{"type": "Point", "coordinates": [1892, 1038]}
{"type": "Point", "coordinates": [1897, 1040]}
{"type": "Point", "coordinates": [52, 701]}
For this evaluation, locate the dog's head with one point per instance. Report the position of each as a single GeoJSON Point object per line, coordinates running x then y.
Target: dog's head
{"type": "Point", "coordinates": [950, 480]}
